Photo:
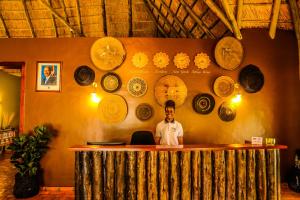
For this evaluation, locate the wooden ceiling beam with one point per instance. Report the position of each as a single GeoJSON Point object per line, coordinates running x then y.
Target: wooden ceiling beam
{"type": "Point", "coordinates": [186, 32]}
{"type": "Point", "coordinates": [53, 21]}
{"type": "Point", "coordinates": [79, 17]}
{"type": "Point", "coordinates": [215, 9]}
{"type": "Point", "coordinates": [197, 20]}
{"type": "Point", "coordinates": [232, 19]}
{"type": "Point", "coordinates": [130, 32]}
{"type": "Point", "coordinates": [239, 13]}
{"type": "Point", "coordinates": [275, 14]}
{"type": "Point", "coordinates": [153, 6]}
{"type": "Point", "coordinates": [53, 12]}
{"type": "Point", "coordinates": [28, 19]}
{"type": "Point", "coordinates": [296, 21]}
{"type": "Point", "coordinates": [4, 25]}
{"type": "Point", "coordinates": [161, 30]}
{"type": "Point", "coordinates": [104, 17]}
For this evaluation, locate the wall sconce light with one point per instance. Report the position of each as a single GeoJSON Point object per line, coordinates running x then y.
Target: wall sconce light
{"type": "Point", "coordinates": [95, 98]}
{"type": "Point", "coordinates": [236, 100]}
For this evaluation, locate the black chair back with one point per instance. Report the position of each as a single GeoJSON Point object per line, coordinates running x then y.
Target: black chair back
{"type": "Point", "coordinates": [142, 137]}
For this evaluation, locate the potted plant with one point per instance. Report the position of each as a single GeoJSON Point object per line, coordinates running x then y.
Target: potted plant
{"type": "Point", "coordinates": [28, 150]}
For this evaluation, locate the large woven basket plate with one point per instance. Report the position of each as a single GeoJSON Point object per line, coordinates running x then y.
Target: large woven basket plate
{"type": "Point", "coordinates": [111, 82]}
{"type": "Point", "coordinates": [84, 75]}
{"type": "Point", "coordinates": [226, 112]}
{"type": "Point", "coordinates": [137, 87]}
{"type": "Point", "coordinates": [107, 53]}
{"type": "Point", "coordinates": [112, 109]}
{"type": "Point", "coordinates": [203, 103]}
{"type": "Point", "coordinates": [251, 78]}
{"type": "Point", "coordinates": [223, 86]}
{"type": "Point", "coordinates": [170, 87]}
{"type": "Point", "coordinates": [144, 111]}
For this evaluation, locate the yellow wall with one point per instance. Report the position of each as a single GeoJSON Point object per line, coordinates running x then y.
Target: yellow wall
{"type": "Point", "coordinates": [272, 112]}
{"type": "Point", "coordinates": [9, 100]}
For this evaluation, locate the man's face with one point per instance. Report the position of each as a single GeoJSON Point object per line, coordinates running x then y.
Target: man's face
{"type": "Point", "coordinates": [170, 112]}
{"type": "Point", "coordinates": [47, 71]}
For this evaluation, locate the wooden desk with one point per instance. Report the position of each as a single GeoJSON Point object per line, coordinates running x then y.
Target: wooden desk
{"type": "Point", "coordinates": [186, 172]}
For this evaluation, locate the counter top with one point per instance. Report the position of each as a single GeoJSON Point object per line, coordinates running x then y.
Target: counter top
{"type": "Point", "coordinates": [188, 147]}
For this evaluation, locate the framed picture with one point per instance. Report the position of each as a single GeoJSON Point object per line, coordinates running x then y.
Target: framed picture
{"type": "Point", "coordinates": [48, 76]}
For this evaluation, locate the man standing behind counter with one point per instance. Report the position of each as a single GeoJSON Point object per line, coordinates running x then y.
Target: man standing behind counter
{"type": "Point", "coordinates": [169, 131]}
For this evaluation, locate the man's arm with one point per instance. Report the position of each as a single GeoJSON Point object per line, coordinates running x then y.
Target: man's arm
{"type": "Point", "coordinates": [157, 140]}
{"type": "Point", "coordinates": [180, 140]}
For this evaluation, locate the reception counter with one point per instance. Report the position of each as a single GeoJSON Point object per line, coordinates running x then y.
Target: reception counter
{"type": "Point", "coordinates": [185, 172]}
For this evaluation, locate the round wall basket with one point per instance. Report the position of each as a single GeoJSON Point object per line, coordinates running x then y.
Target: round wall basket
{"type": "Point", "coordinates": [144, 111]}
{"type": "Point", "coordinates": [84, 75]}
{"type": "Point", "coordinates": [107, 53]}
{"type": "Point", "coordinates": [251, 78]}
{"type": "Point", "coordinates": [170, 87]}
{"type": "Point", "coordinates": [203, 103]}
{"type": "Point", "coordinates": [137, 87]}
{"type": "Point", "coordinates": [224, 86]}
{"type": "Point", "coordinates": [111, 82]}
{"type": "Point", "coordinates": [226, 112]}
{"type": "Point", "coordinates": [112, 109]}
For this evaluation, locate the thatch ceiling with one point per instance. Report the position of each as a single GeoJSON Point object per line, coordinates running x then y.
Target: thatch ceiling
{"type": "Point", "coordinates": [138, 18]}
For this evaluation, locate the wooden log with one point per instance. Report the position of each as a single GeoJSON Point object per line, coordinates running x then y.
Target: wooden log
{"type": "Point", "coordinates": [152, 175]}
{"type": "Point", "coordinates": [28, 19]}
{"type": "Point", "coordinates": [241, 174]}
{"type": "Point", "coordinates": [78, 175]}
{"type": "Point", "coordinates": [274, 19]}
{"type": "Point", "coordinates": [185, 175]}
{"type": "Point", "coordinates": [261, 175]}
{"type": "Point", "coordinates": [207, 175]}
{"type": "Point", "coordinates": [197, 20]}
{"type": "Point", "coordinates": [239, 13]}
{"type": "Point", "coordinates": [278, 174]}
{"type": "Point", "coordinates": [163, 175]}
{"type": "Point", "coordinates": [251, 185]}
{"type": "Point", "coordinates": [109, 184]}
{"type": "Point", "coordinates": [231, 175]}
{"type": "Point", "coordinates": [219, 178]}
{"type": "Point", "coordinates": [211, 4]}
{"type": "Point", "coordinates": [141, 176]}
{"type": "Point", "coordinates": [232, 20]}
{"type": "Point", "coordinates": [196, 174]}
{"type": "Point", "coordinates": [272, 174]}
{"type": "Point", "coordinates": [86, 175]}
{"type": "Point", "coordinates": [131, 172]}
{"type": "Point", "coordinates": [120, 175]}
{"type": "Point", "coordinates": [174, 176]}
{"type": "Point", "coordinates": [98, 175]}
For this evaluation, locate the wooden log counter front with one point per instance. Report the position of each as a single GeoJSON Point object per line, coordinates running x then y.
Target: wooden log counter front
{"type": "Point", "coordinates": [185, 172]}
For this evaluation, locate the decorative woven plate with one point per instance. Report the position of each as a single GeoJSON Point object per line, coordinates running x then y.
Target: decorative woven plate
{"type": "Point", "coordinates": [137, 87]}
{"type": "Point", "coordinates": [202, 60]}
{"type": "Point", "coordinates": [107, 53]}
{"type": "Point", "coordinates": [161, 60]}
{"type": "Point", "coordinates": [140, 60]}
{"type": "Point", "coordinates": [181, 60]}
{"type": "Point", "coordinates": [223, 86]}
{"type": "Point", "coordinates": [251, 78]}
{"type": "Point", "coordinates": [111, 82]}
{"type": "Point", "coordinates": [112, 109]}
{"type": "Point", "coordinates": [203, 103]}
{"type": "Point", "coordinates": [226, 112]}
{"type": "Point", "coordinates": [170, 87]}
{"type": "Point", "coordinates": [144, 111]}
{"type": "Point", "coordinates": [84, 75]}
{"type": "Point", "coordinates": [229, 53]}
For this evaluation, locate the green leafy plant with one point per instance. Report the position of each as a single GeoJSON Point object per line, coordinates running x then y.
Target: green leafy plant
{"type": "Point", "coordinates": [28, 150]}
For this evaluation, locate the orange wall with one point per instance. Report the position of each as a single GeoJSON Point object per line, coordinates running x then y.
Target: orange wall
{"type": "Point", "coordinates": [272, 112]}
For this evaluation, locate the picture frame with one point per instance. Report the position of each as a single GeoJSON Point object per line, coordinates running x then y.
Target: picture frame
{"type": "Point", "coordinates": [48, 76]}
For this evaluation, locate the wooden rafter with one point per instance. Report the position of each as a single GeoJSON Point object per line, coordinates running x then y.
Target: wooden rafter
{"type": "Point", "coordinates": [4, 25]}
{"type": "Point", "coordinates": [296, 21]}
{"type": "Point", "coordinates": [275, 14]}
{"type": "Point", "coordinates": [161, 30]}
{"type": "Point", "coordinates": [239, 13]}
{"type": "Point", "coordinates": [79, 17]}
{"type": "Point", "coordinates": [53, 21]}
{"type": "Point", "coordinates": [28, 19]}
{"type": "Point", "coordinates": [130, 33]}
{"type": "Point", "coordinates": [197, 20]}
{"type": "Point", "coordinates": [59, 17]}
{"type": "Point", "coordinates": [232, 20]}
{"type": "Point", "coordinates": [215, 9]}
{"type": "Point", "coordinates": [104, 17]}
{"type": "Point", "coordinates": [153, 6]}
{"type": "Point", "coordinates": [186, 32]}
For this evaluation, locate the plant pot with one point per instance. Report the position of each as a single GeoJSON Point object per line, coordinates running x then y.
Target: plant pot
{"type": "Point", "coordinates": [26, 186]}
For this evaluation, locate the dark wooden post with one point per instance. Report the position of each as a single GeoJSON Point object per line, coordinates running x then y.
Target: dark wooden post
{"type": "Point", "coordinates": [120, 175]}
{"type": "Point", "coordinates": [109, 175]}
{"type": "Point", "coordinates": [78, 175]}
{"type": "Point", "coordinates": [231, 174]}
{"type": "Point", "coordinates": [251, 185]}
{"type": "Point", "coordinates": [163, 175]}
{"type": "Point", "coordinates": [272, 174]}
{"type": "Point", "coordinates": [174, 177]}
{"type": "Point", "coordinates": [196, 174]}
{"type": "Point", "coordinates": [185, 175]}
{"type": "Point", "coordinates": [86, 170]}
{"type": "Point", "coordinates": [219, 190]}
{"type": "Point", "coordinates": [241, 174]}
{"type": "Point", "coordinates": [131, 175]}
{"type": "Point", "coordinates": [261, 174]}
{"type": "Point", "coordinates": [97, 175]}
{"type": "Point", "coordinates": [207, 175]}
{"type": "Point", "coordinates": [152, 175]}
{"type": "Point", "coordinates": [141, 175]}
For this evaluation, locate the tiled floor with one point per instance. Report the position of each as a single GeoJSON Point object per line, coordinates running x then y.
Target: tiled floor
{"type": "Point", "coordinates": [7, 173]}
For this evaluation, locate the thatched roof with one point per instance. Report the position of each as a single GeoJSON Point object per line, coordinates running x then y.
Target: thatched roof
{"type": "Point", "coordinates": [138, 18]}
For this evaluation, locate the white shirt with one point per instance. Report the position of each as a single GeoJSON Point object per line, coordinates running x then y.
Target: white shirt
{"type": "Point", "coordinates": [169, 132]}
